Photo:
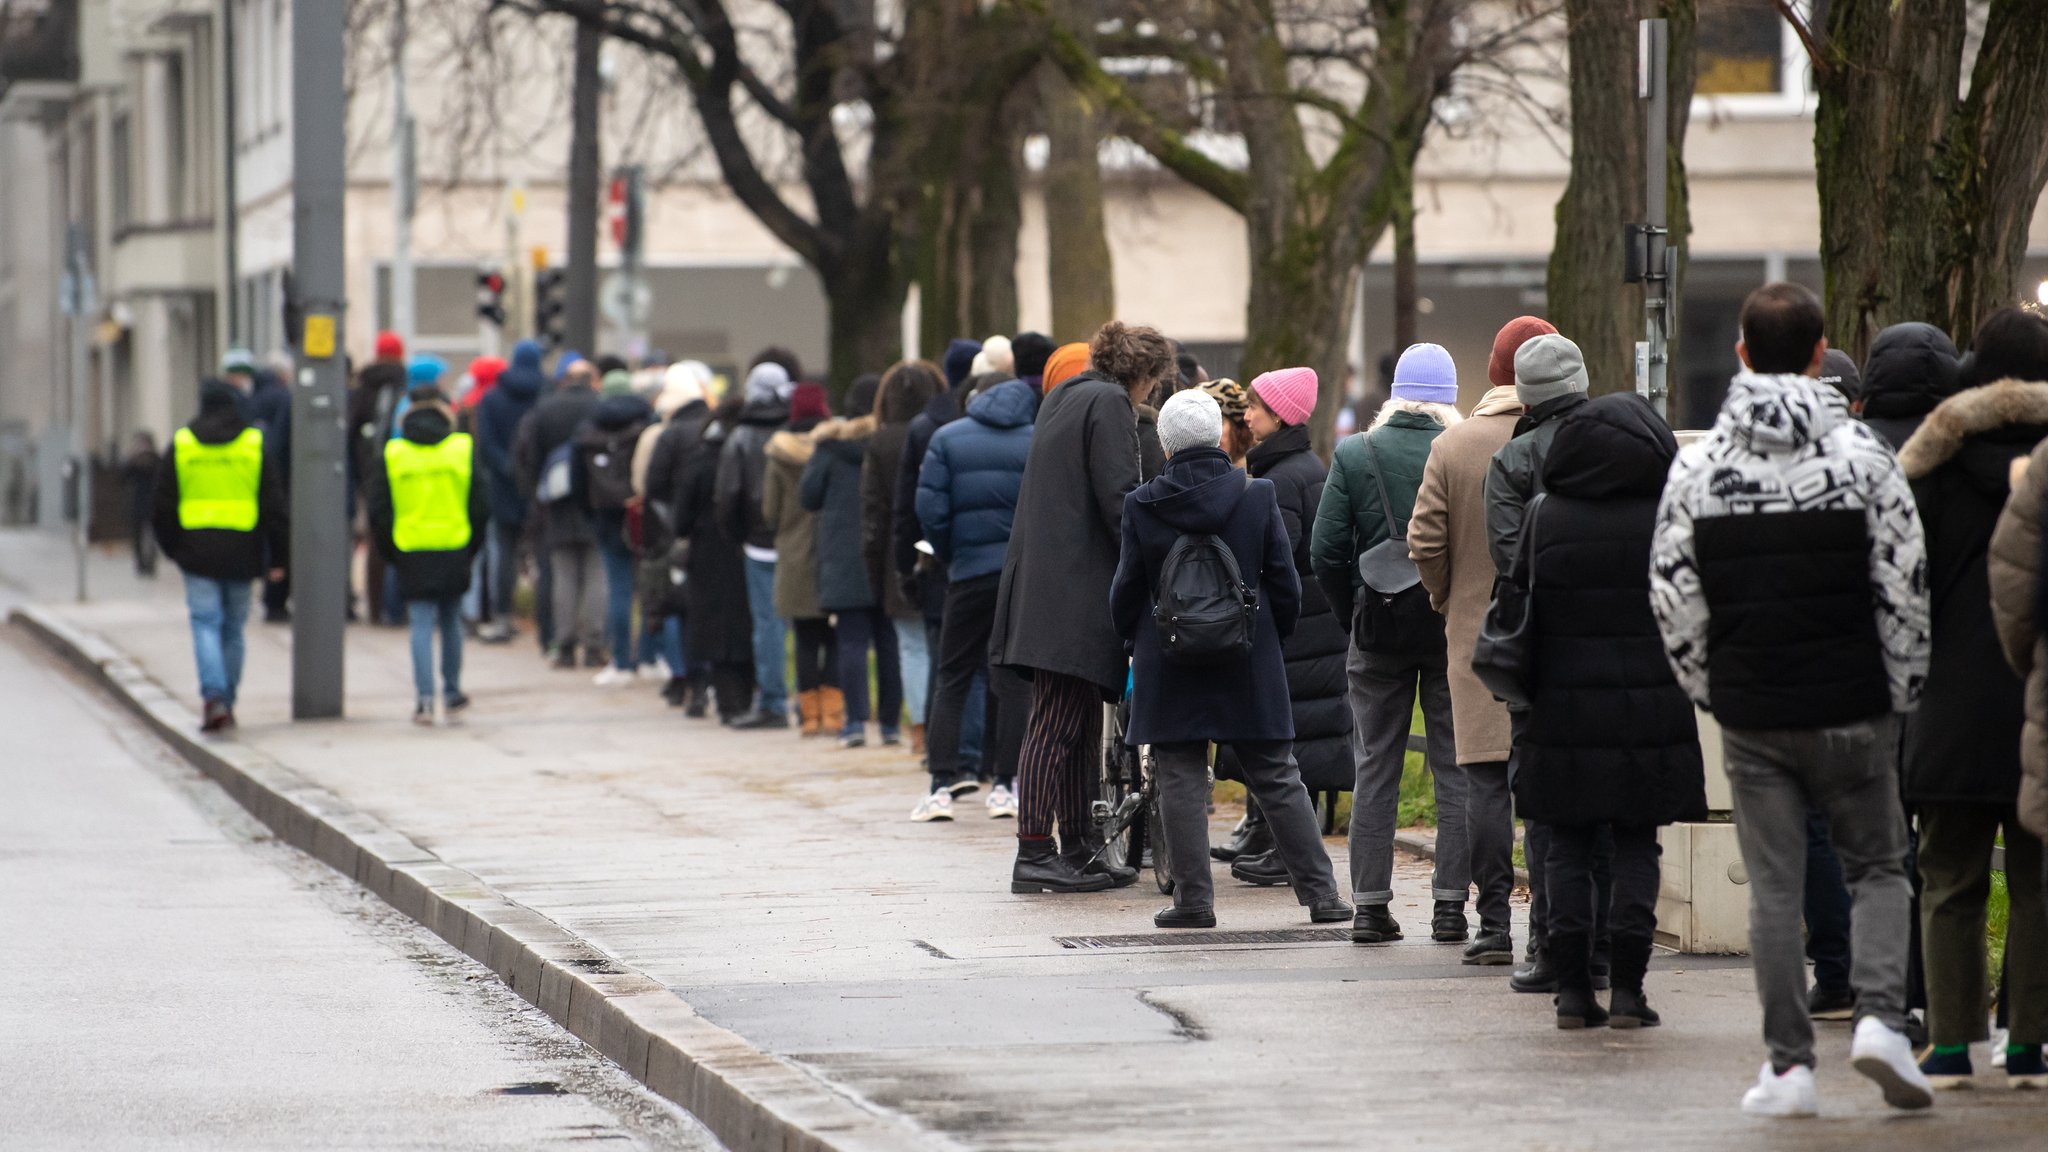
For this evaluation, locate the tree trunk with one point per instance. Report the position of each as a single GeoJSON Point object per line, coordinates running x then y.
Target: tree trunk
{"type": "Point", "coordinates": [1683, 72]}
{"type": "Point", "coordinates": [580, 303]}
{"type": "Point", "coordinates": [1299, 314]}
{"type": "Point", "coordinates": [864, 319]}
{"type": "Point", "coordinates": [1925, 198]}
{"type": "Point", "coordinates": [1081, 276]}
{"type": "Point", "coordinates": [1587, 299]}
{"type": "Point", "coordinates": [1405, 270]}
{"type": "Point", "coordinates": [992, 243]}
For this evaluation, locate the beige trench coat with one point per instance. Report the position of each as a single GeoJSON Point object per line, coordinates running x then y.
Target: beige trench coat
{"type": "Point", "coordinates": [2015, 563]}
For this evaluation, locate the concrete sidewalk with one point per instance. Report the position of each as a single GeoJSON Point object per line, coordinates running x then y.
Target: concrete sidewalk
{"type": "Point", "coordinates": [776, 888]}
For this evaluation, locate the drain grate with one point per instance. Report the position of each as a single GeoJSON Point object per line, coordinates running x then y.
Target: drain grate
{"type": "Point", "coordinates": [1206, 939]}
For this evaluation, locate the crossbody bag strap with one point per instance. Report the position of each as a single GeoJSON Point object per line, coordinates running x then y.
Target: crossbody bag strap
{"type": "Point", "coordinates": [1395, 529]}
{"type": "Point", "coordinates": [1525, 548]}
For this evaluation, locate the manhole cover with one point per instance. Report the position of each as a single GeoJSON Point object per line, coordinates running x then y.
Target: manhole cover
{"type": "Point", "coordinates": [1206, 939]}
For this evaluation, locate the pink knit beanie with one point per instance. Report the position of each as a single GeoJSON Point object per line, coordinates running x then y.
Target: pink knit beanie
{"type": "Point", "coordinates": [1289, 392]}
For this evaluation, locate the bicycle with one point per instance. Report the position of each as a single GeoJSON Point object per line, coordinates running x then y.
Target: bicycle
{"type": "Point", "coordinates": [1126, 811]}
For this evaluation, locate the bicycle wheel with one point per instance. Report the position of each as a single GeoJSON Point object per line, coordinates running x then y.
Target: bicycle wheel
{"type": "Point", "coordinates": [1155, 835]}
{"type": "Point", "coordinates": [1116, 782]}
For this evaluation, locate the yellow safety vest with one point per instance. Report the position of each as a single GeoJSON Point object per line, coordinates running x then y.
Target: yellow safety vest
{"type": "Point", "coordinates": [429, 493]}
{"type": "Point", "coordinates": [218, 483]}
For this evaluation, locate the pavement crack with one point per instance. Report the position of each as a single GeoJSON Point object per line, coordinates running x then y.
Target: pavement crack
{"type": "Point", "coordinates": [1185, 1025]}
{"type": "Point", "coordinates": [933, 949]}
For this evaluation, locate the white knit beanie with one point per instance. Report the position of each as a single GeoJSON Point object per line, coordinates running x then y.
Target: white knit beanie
{"type": "Point", "coordinates": [1190, 418]}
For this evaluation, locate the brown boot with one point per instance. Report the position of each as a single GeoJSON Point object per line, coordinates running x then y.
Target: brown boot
{"type": "Point", "coordinates": [833, 702]}
{"type": "Point", "coordinates": [917, 739]}
{"type": "Point", "coordinates": [811, 711]}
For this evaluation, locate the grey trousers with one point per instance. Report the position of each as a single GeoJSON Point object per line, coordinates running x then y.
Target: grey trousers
{"type": "Point", "coordinates": [1850, 773]}
{"type": "Point", "coordinates": [1490, 829]}
{"type": "Point", "coordinates": [1272, 778]}
{"type": "Point", "coordinates": [1383, 690]}
{"type": "Point", "coordinates": [580, 595]}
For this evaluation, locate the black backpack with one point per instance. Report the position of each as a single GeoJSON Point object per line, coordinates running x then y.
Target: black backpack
{"type": "Point", "coordinates": [608, 464]}
{"type": "Point", "coordinates": [1204, 611]}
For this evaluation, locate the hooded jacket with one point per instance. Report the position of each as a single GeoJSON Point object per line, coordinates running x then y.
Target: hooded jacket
{"type": "Point", "coordinates": [831, 490]}
{"type": "Point", "coordinates": [1963, 745]}
{"type": "Point", "coordinates": [743, 460]}
{"type": "Point", "coordinates": [1516, 475]}
{"type": "Point", "coordinates": [551, 424]}
{"type": "Point", "coordinates": [1448, 541]}
{"type": "Point", "coordinates": [1910, 369]}
{"type": "Point", "coordinates": [222, 553]}
{"type": "Point", "coordinates": [428, 575]}
{"type": "Point", "coordinates": [1316, 649]}
{"type": "Point", "coordinates": [1789, 575]}
{"type": "Point", "coordinates": [718, 626]}
{"type": "Point", "coordinates": [967, 487]}
{"type": "Point", "coordinates": [615, 424]}
{"type": "Point", "coordinates": [1611, 737]}
{"type": "Point", "coordinates": [497, 425]}
{"type": "Point", "coordinates": [794, 527]}
{"type": "Point", "coordinates": [1052, 606]}
{"type": "Point", "coordinates": [1200, 491]}
{"type": "Point", "coordinates": [372, 399]}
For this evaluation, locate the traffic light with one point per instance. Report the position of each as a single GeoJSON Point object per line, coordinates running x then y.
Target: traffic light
{"type": "Point", "coordinates": [550, 306]}
{"type": "Point", "coordinates": [490, 296]}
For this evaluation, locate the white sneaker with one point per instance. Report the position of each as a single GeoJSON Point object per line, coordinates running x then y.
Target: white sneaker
{"type": "Point", "coordinates": [937, 806]}
{"type": "Point", "coordinates": [1002, 803]}
{"type": "Point", "coordinates": [1886, 1056]}
{"type": "Point", "coordinates": [1789, 1095]}
{"type": "Point", "coordinates": [1999, 1038]}
{"type": "Point", "coordinates": [651, 670]}
{"type": "Point", "coordinates": [614, 677]}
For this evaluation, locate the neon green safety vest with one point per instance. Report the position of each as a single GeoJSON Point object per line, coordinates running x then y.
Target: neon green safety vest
{"type": "Point", "coordinates": [218, 483]}
{"type": "Point", "coordinates": [429, 493]}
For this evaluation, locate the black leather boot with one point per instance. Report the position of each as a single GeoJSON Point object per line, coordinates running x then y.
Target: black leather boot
{"type": "Point", "coordinates": [1448, 925]}
{"type": "Point", "coordinates": [1373, 924]}
{"type": "Point", "coordinates": [1539, 975]}
{"type": "Point", "coordinates": [1495, 944]}
{"type": "Point", "coordinates": [1630, 1007]}
{"type": "Point", "coordinates": [1040, 868]}
{"type": "Point", "coordinates": [1571, 954]}
{"type": "Point", "coordinates": [1252, 837]}
{"type": "Point", "coordinates": [1265, 869]}
{"type": "Point", "coordinates": [1088, 856]}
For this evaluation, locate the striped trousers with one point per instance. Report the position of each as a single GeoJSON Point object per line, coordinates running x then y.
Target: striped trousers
{"type": "Point", "coordinates": [1057, 767]}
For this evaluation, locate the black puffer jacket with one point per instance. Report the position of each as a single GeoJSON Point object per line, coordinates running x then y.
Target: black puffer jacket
{"type": "Point", "coordinates": [831, 488]}
{"type": "Point", "coordinates": [719, 627]}
{"type": "Point", "coordinates": [741, 463]}
{"type": "Point", "coordinates": [1315, 651]}
{"type": "Point", "coordinates": [1611, 736]}
{"type": "Point", "coordinates": [1963, 744]}
{"type": "Point", "coordinates": [1910, 369]}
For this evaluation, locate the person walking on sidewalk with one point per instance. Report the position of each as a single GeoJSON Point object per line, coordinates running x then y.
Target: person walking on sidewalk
{"type": "Point", "coordinates": [832, 491]}
{"type": "Point", "coordinates": [1787, 492]}
{"type": "Point", "coordinates": [1052, 618]}
{"type": "Point", "coordinates": [1276, 413]}
{"type": "Point", "coordinates": [1201, 516]}
{"type": "Point", "coordinates": [220, 510]}
{"type": "Point", "coordinates": [906, 390]}
{"type": "Point", "coordinates": [497, 423]}
{"type": "Point", "coordinates": [542, 450]}
{"type": "Point", "coordinates": [138, 472]}
{"type": "Point", "coordinates": [1612, 750]}
{"type": "Point", "coordinates": [1962, 760]}
{"type": "Point", "coordinates": [1447, 540]}
{"type": "Point", "coordinates": [1551, 381]}
{"type": "Point", "coordinates": [372, 399]}
{"type": "Point", "coordinates": [966, 503]}
{"type": "Point", "coordinates": [1397, 646]}
{"type": "Point", "coordinates": [789, 452]}
{"type": "Point", "coordinates": [603, 457]}
{"type": "Point", "coordinates": [742, 463]}
{"type": "Point", "coordinates": [428, 512]}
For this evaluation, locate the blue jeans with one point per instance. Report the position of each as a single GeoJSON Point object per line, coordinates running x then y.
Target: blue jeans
{"type": "Point", "coordinates": [219, 611]}
{"type": "Point", "coordinates": [859, 630]}
{"type": "Point", "coordinates": [771, 651]}
{"type": "Point", "coordinates": [427, 616]}
{"type": "Point", "coordinates": [915, 660]}
{"type": "Point", "coordinates": [663, 638]}
{"type": "Point", "coordinates": [618, 583]}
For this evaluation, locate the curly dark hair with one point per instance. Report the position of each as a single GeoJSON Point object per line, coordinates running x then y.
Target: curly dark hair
{"type": "Point", "coordinates": [1132, 355]}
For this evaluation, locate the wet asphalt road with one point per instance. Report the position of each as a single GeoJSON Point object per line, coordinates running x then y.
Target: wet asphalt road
{"type": "Point", "coordinates": [179, 980]}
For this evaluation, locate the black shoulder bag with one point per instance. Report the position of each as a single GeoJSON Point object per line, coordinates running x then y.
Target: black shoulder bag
{"type": "Point", "coordinates": [1394, 615]}
{"type": "Point", "coordinates": [1504, 659]}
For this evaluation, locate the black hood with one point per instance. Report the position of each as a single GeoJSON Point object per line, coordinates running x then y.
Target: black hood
{"type": "Point", "coordinates": [615, 412]}
{"type": "Point", "coordinates": [378, 374]}
{"type": "Point", "coordinates": [943, 408]}
{"type": "Point", "coordinates": [1273, 449]}
{"type": "Point", "coordinates": [1197, 492]}
{"type": "Point", "coordinates": [425, 426]}
{"type": "Point", "coordinates": [223, 413]}
{"type": "Point", "coordinates": [1911, 368]}
{"type": "Point", "coordinates": [1615, 447]}
{"type": "Point", "coordinates": [523, 379]}
{"type": "Point", "coordinates": [772, 413]}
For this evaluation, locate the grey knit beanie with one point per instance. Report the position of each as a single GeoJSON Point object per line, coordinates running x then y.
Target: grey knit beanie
{"type": "Point", "coordinates": [1190, 418]}
{"type": "Point", "coordinates": [1547, 367]}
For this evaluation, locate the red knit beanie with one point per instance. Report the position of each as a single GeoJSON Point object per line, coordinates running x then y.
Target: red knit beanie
{"type": "Point", "coordinates": [1500, 368]}
{"type": "Point", "coordinates": [808, 403]}
{"type": "Point", "coordinates": [389, 346]}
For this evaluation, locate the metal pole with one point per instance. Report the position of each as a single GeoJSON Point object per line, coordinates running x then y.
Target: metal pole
{"type": "Point", "coordinates": [1654, 87]}
{"type": "Point", "coordinates": [581, 295]}
{"type": "Point", "coordinates": [230, 196]}
{"type": "Point", "coordinates": [404, 188]}
{"type": "Point", "coordinates": [81, 435]}
{"type": "Point", "coordinates": [320, 540]}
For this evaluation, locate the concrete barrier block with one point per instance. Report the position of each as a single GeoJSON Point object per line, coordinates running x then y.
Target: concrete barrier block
{"type": "Point", "coordinates": [555, 983]}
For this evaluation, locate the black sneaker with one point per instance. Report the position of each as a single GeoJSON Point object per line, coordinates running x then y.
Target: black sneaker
{"type": "Point", "coordinates": [1178, 917]}
{"type": "Point", "coordinates": [1265, 870]}
{"type": "Point", "coordinates": [564, 657]}
{"type": "Point", "coordinates": [214, 716]}
{"type": "Point", "coordinates": [1373, 924]}
{"type": "Point", "coordinates": [1825, 1003]}
{"type": "Point", "coordinates": [1448, 925]}
{"type": "Point", "coordinates": [675, 691]}
{"type": "Point", "coordinates": [1493, 945]}
{"type": "Point", "coordinates": [1330, 910]}
{"type": "Point", "coordinates": [760, 719]}
{"type": "Point", "coordinates": [423, 714]}
{"type": "Point", "coordinates": [455, 702]}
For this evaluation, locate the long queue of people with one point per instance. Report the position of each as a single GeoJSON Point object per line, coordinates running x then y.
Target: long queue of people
{"type": "Point", "coordinates": [975, 557]}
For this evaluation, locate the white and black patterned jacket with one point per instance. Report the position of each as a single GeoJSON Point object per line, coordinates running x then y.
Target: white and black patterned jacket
{"type": "Point", "coordinates": [1788, 573]}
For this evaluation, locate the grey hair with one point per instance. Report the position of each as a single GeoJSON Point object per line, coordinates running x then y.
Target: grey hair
{"type": "Point", "coordinates": [1444, 414]}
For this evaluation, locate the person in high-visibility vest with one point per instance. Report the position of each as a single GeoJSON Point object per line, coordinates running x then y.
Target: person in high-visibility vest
{"type": "Point", "coordinates": [427, 512]}
{"type": "Point", "coordinates": [222, 517]}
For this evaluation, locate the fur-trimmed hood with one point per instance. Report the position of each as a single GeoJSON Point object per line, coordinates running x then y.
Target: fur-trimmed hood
{"type": "Point", "coordinates": [1972, 412]}
{"type": "Point", "coordinates": [843, 428]}
{"type": "Point", "coordinates": [792, 448]}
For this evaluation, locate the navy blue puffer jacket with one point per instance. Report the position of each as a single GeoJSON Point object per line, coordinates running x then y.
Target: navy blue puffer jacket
{"type": "Point", "coordinates": [967, 488]}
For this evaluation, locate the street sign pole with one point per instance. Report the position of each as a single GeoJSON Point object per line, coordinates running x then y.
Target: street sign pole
{"type": "Point", "coordinates": [320, 534]}
{"type": "Point", "coordinates": [1654, 87]}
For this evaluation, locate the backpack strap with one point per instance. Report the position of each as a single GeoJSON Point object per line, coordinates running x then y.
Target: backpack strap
{"type": "Point", "coordinates": [1397, 529]}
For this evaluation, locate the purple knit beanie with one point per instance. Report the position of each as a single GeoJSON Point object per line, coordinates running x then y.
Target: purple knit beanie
{"type": "Point", "coordinates": [1426, 374]}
